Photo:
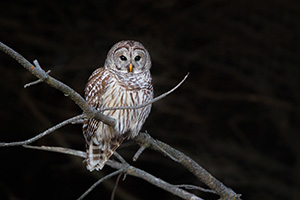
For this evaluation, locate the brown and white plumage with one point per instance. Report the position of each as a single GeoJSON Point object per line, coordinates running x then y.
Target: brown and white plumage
{"type": "Point", "coordinates": [125, 80]}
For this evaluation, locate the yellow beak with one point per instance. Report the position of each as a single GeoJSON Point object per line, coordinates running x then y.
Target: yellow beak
{"type": "Point", "coordinates": [130, 67]}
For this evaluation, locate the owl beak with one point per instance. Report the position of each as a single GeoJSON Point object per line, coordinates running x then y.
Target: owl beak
{"type": "Point", "coordinates": [130, 67]}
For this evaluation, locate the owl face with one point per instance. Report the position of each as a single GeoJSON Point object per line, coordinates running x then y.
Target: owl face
{"type": "Point", "coordinates": [128, 57]}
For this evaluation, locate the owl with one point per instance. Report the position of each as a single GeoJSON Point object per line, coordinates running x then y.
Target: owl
{"type": "Point", "coordinates": [125, 80]}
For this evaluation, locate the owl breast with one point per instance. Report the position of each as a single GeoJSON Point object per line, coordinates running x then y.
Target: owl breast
{"type": "Point", "coordinates": [123, 91]}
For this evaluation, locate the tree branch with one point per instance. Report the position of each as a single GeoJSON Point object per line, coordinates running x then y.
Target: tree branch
{"type": "Point", "coordinates": [46, 132]}
{"type": "Point", "coordinates": [115, 187]}
{"type": "Point", "coordinates": [126, 168]}
{"type": "Point", "coordinates": [203, 175]}
{"type": "Point", "coordinates": [98, 182]}
{"type": "Point", "coordinates": [38, 72]}
{"type": "Point", "coordinates": [149, 102]}
{"type": "Point", "coordinates": [193, 187]}
{"type": "Point", "coordinates": [35, 82]}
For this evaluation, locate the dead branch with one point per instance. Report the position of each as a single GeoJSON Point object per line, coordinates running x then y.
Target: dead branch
{"type": "Point", "coordinates": [193, 187]}
{"type": "Point", "coordinates": [38, 72]}
{"type": "Point", "coordinates": [46, 132]}
{"type": "Point", "coordinates": [139, 152]}
{"type": "Point", "coordinates": [35, 82]}
{"type": "Point", "coordinates": [125, 168]}
{"type": "Point", "coordinates": [149, 102]}
{"type": "Point", "coordinates": [203, 175]}
{"type": "Point", "coordinates": [98, 182]}
{"type": "Point", "coordinates": [116, 186]}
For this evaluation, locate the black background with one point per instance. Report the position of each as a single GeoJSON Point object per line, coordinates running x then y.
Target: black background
{"type": "Point", "coordinates": [237, 114]}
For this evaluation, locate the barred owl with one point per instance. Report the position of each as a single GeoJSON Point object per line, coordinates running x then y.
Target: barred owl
{"type": "Point", "coordinates": [125, 80]}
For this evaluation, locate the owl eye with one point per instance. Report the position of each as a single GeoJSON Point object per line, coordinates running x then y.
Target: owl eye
{"type": "Point", "coordinates": [137, 58]}
{"type": "Point", "coordinates": [123, 58]}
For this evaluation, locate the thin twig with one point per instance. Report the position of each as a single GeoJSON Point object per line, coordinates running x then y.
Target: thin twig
{"type": "Point", "coordinates": [35, 82]}
{"type": "Point", "coordinates": [58, 150]}
{"type": "Point", "coordinates": [139, 152]}
{"type": "Point", "coordinates": [162, 150]}
{"type": "Point", "coordinates": [120, 158]}
{"type": "Point", "coordinates": [149, 102]}
{"type": "Point", "coordinates": [43, 73]}
{"type": "Point", "coordinates": [115, 187]}
{"type": "Point", "coordinates": [98, 182]}
{"type": "Point", "coordinates": [193, 187]}
{"type": "Point", "coordinates": [161, 183]}
{"type": "Point", "coordinates": [46, 132]}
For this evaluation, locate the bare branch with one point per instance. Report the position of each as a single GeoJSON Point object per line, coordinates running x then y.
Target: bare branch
{"type": "Point", "coordinates": [120, 158]}
{"type": "Point", "coordinates": [73, 152]}
{"type": "Point", "coordinates": [149, 102]}
{"type": "Point", "coordinates": [35, 82]}
{"type": "Point", "coordinates": [44, 75]}
{"type": "Point", "coordinates": [66, 90]}
{"type": "Point", "coordinates": [193, 187]}
{"type": "Point", "coordinates": [115, 187]}
{"type": "Point", "coordinates": [139, 152]}
{"type": "Point", "coordinates": [162, 150]}
{"type": "Point", "coordinates": [98, 182]}
{"type": "Point", "coordinates": [161, 183]}
{"type": "Point", "coordinates": [46, 132]}
{"type": "Point", "coordinates": [128, 169]}
{"type": "Point", "coordinates": [191, 165]}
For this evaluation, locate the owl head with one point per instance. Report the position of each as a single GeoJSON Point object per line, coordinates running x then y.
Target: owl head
{"type": "Point", "coordinates": [128, 57]}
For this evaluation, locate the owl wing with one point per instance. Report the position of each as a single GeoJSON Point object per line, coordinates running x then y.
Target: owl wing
{"type": "Point", "coordinates": [94, 89]}
{"type": "Point", "coordinates": [98, 149]}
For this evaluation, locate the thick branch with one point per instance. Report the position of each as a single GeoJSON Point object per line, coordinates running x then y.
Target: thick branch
{"type": "Point", "coordinates": [191, 165]}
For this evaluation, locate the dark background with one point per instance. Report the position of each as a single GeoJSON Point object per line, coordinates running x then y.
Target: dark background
{"type": "Point", "coordinates": [237, 114]}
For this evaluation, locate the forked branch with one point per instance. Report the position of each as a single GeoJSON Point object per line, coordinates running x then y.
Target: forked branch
{"type": "Point", "coordinates": [204, 176]}
{"type": "Point", "coordinates": [124, 168]}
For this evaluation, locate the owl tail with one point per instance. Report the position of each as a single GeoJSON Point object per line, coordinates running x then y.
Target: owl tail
{"type": "Point", "coordinates": [98, 154]}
